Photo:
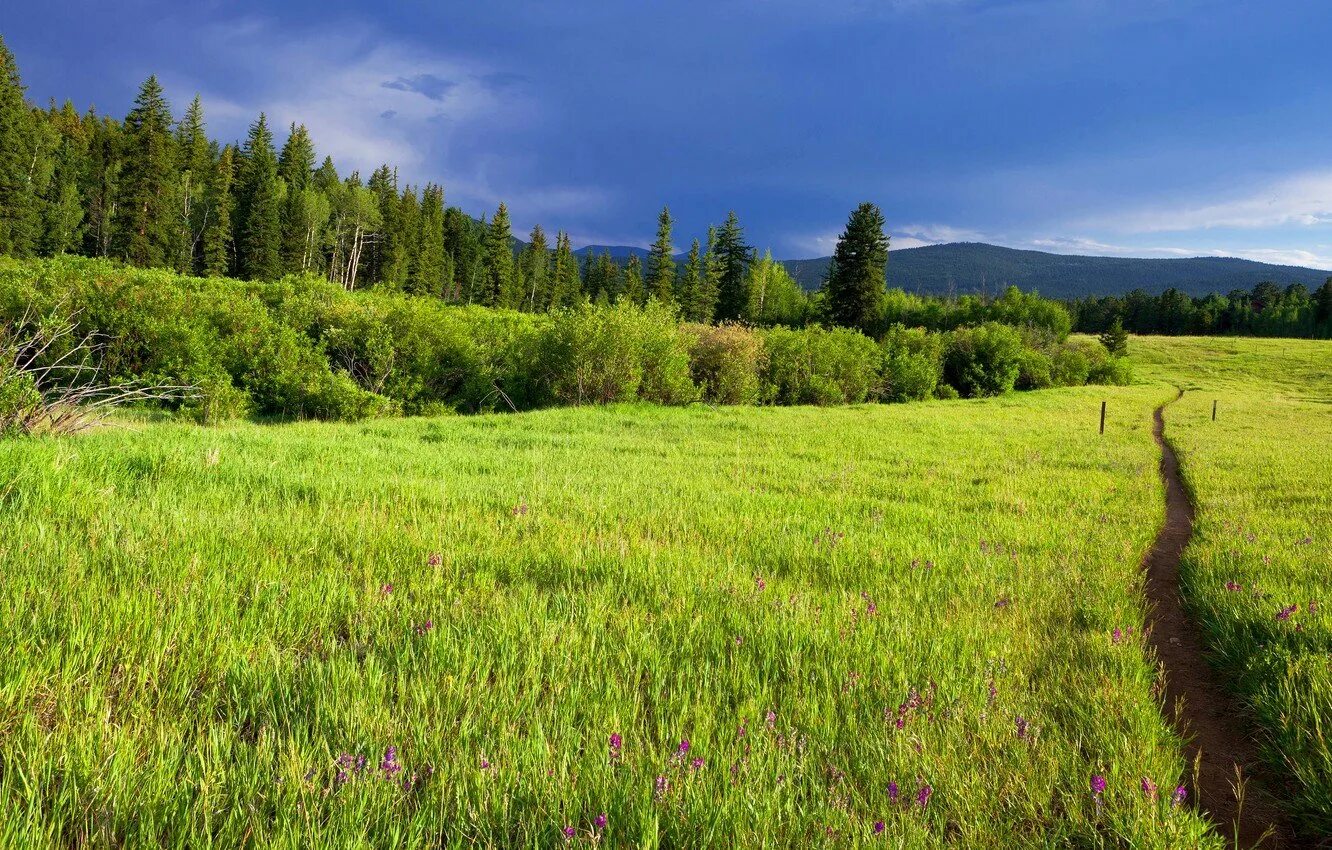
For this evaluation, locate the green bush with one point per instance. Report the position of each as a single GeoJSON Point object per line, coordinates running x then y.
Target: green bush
{"type": "Point", "coordinates": [600, 355]}
{"type": "Point", "coordinates": [1035, 370]}
{"type": "Point", "coordinates": [911, 364]}
{"type": "Point", "coordinates": [819, 366]}
{"type": "Point", "coordinates": [725, 361]}
{"type": "Point", "coordinates": [982, 361]}
{"type": "Point", "coordinates": [1070, 366]}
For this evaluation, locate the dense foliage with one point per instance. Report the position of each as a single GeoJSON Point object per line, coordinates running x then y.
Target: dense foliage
{"type": "Point", "coordinates": [1266, 310]}
{"type": "Point", "coordinates": [305, 347]}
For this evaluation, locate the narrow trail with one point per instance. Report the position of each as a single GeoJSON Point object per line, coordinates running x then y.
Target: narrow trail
{"type": "Point", "coordinates": [1210, 719]}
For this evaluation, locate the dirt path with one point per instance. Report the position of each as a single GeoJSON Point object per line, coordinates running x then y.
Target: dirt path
{"type": "Point", "coordinates": [1205, 713]}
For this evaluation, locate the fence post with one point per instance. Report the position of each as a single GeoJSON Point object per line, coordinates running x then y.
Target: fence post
{"type": "Point", "coordinates": [1213, 410]}
{"type": "Point", "coordinates": [1102, 417]}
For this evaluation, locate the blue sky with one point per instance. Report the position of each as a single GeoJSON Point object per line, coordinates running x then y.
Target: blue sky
{"type": "Point", "coordinates": [1121, 127]}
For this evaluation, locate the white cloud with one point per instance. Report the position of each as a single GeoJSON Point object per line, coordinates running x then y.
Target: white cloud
{"type": "Point", "coordinates": [933, 234]}
{"type": "Point", "coordinates": [368, 100]}
{"type": "Point", "coordinates": [1299, 200]}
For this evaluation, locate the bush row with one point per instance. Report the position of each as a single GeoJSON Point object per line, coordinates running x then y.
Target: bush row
{"type": "Point", "coordinates": [301, 347]}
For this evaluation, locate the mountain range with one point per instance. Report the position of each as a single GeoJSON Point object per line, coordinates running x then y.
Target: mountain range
{"type": "Point", "coordinates": [974, 267]}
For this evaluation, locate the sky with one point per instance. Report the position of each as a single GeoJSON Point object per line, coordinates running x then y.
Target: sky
{"type": "Point", "coordinates": [1155, 128]}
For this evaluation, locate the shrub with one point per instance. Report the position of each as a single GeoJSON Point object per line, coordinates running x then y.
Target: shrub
{"type": "Point", "coordinates": [982, 361]}
{"type": "Point", "coordinates": [1035, 370]}
{"type": "Point", "coordinates": [819, 366]}
{"type": "Point", "coordinates": [725, 361]}
{"type": "Point", "coordinates": [945, 392]}
{"type": "Point", "coordinates": [1070, 366]}
{"type": "Point", "coordinates": [911, 365]}
{"type": "Point", "coordinates": [599, 355]}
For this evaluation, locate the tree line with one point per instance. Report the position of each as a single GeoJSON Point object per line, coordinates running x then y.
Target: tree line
{"type": "Point", "coordinates": [1266, 310]}
{"type": "Point", "coordinates": [151, 191]}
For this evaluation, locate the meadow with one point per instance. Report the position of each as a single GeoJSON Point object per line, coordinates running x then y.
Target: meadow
{"type": "Point", "coordinates": [1257, 573]}
{"type": "Point", "coordinates": [630, 625]}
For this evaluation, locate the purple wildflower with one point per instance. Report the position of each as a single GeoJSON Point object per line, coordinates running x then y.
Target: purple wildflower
{"type": "Point", "coordinates": [385, 589]}
{"type": "Point", "coordinates": [923, 795]}
{"type": "Point", "coordinates": [684, 747]}
{"type": "Point", "coordinates": [485, 763]}
{"type": "Point", "coordinates": [616, 742]}
{"type": "Point", "coordinates": [1022, 728]}
{"type": "Point", "coordinates": [600, 821]}
{"type": "Point", "coordinates": [696, 764]}
{"type": "Point", "coordinates": [1181, 794]}
{"type": "Point", "coordinates": [569, 832]}
{"type": "Point", "coordinates": [1148, 788]}
{"type": "Point", "coordinates": [760, 583]}
{"type": "Point", "coordinates": [1234, 586]}
{"type": "Point", "coordinates": [771, 720]}
{"type": "Point", "coordinates": [878, 827]}
{"type": "Point", "coordinates": [893, 792]}
{"type": "Point", "coordinates": [1117, 635]}
{"type": "Point", "coordinates": [1284, 613]}
{"type": "Point", "coordinates": [1002, 602]}
{"type": "Point", "coordinates": [434, 560]}
{"type": "Point", "coordinates": [389, 764]}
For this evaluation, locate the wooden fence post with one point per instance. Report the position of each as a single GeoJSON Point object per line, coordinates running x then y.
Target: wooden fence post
{"type": "Point", "coordinates": [1102, 417]}
{"type": "Point", "coordinates": [1213, 410]}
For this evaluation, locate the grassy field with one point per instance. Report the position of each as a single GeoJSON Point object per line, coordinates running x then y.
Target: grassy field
{"type": "Point", "coordinates": [1259, 573]}
{"type": "Point", "coordinates": [881, 626]}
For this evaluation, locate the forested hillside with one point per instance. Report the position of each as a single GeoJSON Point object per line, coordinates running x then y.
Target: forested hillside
{"type": "Point", "coordinates": [976, 268]}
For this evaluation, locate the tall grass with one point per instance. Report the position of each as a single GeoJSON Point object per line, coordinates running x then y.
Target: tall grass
{"type": "Point", "coordinates": [826, 604]}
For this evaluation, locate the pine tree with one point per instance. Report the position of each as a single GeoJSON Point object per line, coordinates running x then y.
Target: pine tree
{"type": "Point", "coordinates": [196, 168]}
{"type": "Point", "coordinates": [1115, 338]}
{"type": "Point", "coordinates": [633, 291]}
{"type": "Point", "coordinates": [566, 288]}
{"type": "Point", "coordinates": [732, 254]}
{"type": "Point", "coordinates": [498, 275]}
{"type": "Point", "coordinates": [147, 231]}
{"type": "Point", "coordinates": [709, 287]}
{"type": "Point", "coordinates": [101, 185]}
{"type": "Point", "coordinates": [689, 284]}
{"type": "Point", "coordinates": [216, 251]}
{"type": "Point", "coordinates": [259, 202]}
{"type": "Point", "coordinates": [660, 265]}
{"type": "Point", "coordinates": [434, 267]}
{"type": "Point", "coordinates": [388, 253]}
{"type": "Point", "coordinates": [296, 163]}
{"type": "Point", "coordinates": [535, 263]}
{"type": "Point", "coordinates": [300, 207]}
{"type": "Point", "coordinates": [463, 237]}
{"type": "Point", "coordinates": [18, 201]}
{"type": "Point", "coordinates": [409, 240]}
{"type": "Point", "coordinates": [62, 205]}
{"type": "Point", "coordinates": [856, 277]}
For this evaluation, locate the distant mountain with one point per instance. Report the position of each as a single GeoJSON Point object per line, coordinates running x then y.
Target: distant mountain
{"type": "Point", "coordinates": [971, 267]}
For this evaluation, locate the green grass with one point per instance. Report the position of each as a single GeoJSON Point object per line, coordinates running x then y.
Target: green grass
{"type": "Point", "coordinates": [1261, 475]}
{"type": "Point", "coordinates": [196, 626]}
